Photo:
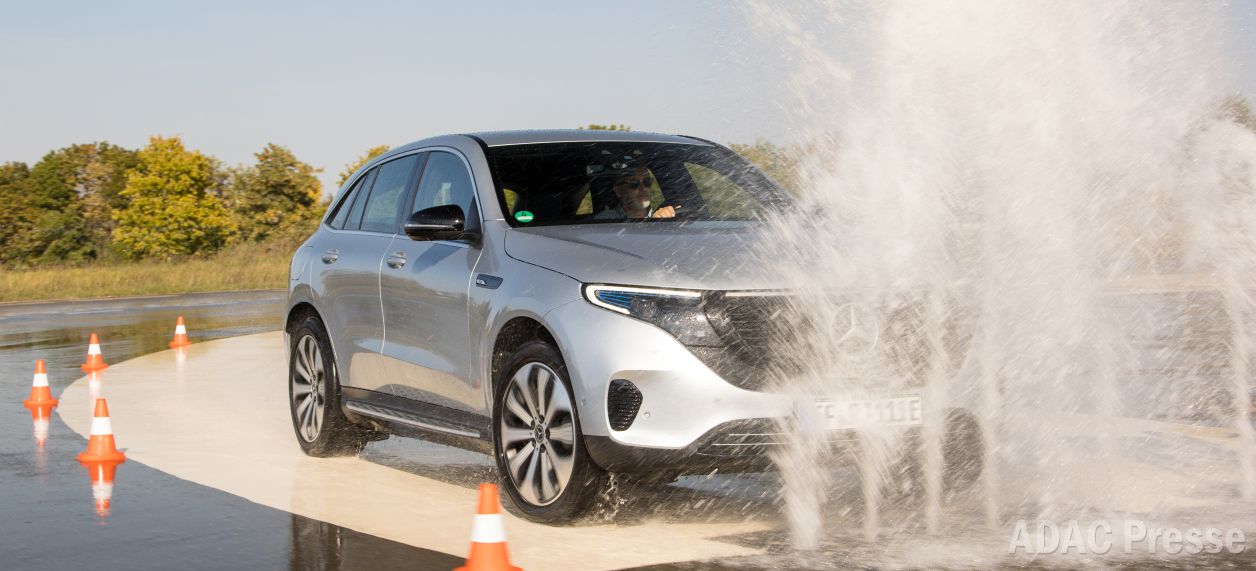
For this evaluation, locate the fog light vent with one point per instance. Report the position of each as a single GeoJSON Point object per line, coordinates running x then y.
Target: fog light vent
{"type": "Point", "coordinates": [623, 400]}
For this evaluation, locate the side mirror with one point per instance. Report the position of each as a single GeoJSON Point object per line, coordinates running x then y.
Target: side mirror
{"type": "Point", "coordinates": [446, 222]}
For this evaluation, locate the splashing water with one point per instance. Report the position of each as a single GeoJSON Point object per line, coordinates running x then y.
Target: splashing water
{"type": "Point", "coordinates": [1034, 216]}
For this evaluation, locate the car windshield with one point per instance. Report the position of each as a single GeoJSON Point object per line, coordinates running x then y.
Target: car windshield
{"type": "Point", "coordinates": [548, 184]}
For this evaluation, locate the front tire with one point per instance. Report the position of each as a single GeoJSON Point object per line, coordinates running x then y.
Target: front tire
{"type": "Point", "coordinates": [314, 396]}
{"type": "Point", "coordinates": [962, 459]}
{"type": "Point", "coordinates": [545, 469]}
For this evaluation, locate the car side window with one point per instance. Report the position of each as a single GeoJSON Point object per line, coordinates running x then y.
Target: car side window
{"type": "Point", "coordinates": [342, 209]}
{"type": "Point", "coordinates": [354, 219]}
{"type": "Point", "coordinates": [387, 195]}
{"type": "Point", "coordinates": [445, 181]}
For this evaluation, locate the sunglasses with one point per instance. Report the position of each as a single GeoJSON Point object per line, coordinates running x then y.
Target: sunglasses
{"type": "Point", "coordinates": [636, 183]}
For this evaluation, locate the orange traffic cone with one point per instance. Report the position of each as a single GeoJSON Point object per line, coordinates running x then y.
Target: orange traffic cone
{"type": "Point", "coordinates": [41, 395]}
{"type": "Point", "coordinates": [180, 335]}
{"type": "Point", "coordinates": [95, 361]}
{"type": "Point", "coordinates": [488, 535]}
{"type": "Point", "coordinates": [41, 417]}
{"type": "Point", "coordinates": [102, 475]}
{"type": "Point", "coordinates": [100, 445]}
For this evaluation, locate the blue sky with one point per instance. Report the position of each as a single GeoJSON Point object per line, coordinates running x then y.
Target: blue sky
{"type": "Point", "coordinates": [330, 80]}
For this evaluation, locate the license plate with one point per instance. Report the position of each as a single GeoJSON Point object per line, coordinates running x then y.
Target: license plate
{"type": "Point", "coordinates": [848, 414]}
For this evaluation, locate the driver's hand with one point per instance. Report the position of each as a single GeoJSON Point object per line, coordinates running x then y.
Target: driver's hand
{"type": "Point", "coordinates": [666, 212]}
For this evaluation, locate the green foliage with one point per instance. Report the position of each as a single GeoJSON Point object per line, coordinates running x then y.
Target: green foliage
{"type": "Point", "coordinates": [1238, 109]}
{"type": "Point", "coordinates": [355, 165]}
{"type": "Point", "coordinates": [58, 229]}
{"type": "Point", "coordinates": [611, 127]}
{"type": "Point", "coordinates": [779, 163]}
{"type": "Point", "coordinates": [275, 196]}
{"type": "Point", "coordinates": [64, 206]}
{"type": "Point", "coordinates": [17, 217]}
{"type": "Point", "coordinates": [173, 207]}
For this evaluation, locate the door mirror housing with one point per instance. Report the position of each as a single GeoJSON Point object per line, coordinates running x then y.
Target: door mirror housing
{"type": "Point", "coordinates": [446, 222]}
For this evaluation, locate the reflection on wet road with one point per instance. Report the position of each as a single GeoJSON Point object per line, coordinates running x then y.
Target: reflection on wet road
{"type": "Point", "coordinates": [48, 519]}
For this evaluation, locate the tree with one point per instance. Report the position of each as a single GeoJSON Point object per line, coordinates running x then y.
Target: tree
{"type": "Point", "coordinates": [63, 207]}
{"type": "Point", "coordinates": [362, 160]}
{"type": "Point", "coordinates": [17, 217]}
{"type": "Point", "coordinates": [76, 188]}
{"type": "Point", "coordinates": [276, 195]}
{"type": "Point", "coordinates": [99, 182]}
{"type": "Point", "coordinates": [779, 163]}
{"type": "Point", "coordinates": [173, 206]}
{"type": "Point", "coordinates": [611, 127]}
{"type": "Point", "coordinates": [1237, 109]}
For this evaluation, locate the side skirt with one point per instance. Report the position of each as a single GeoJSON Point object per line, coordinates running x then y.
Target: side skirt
{"type": "Point", "coordinates": [411, 418]}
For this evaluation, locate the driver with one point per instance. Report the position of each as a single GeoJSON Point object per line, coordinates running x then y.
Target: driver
{"type": "Point", "coordinates": [632, 188]}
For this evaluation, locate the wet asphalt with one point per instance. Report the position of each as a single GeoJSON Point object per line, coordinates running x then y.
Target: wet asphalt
{"type": "Point", "coordinates": [48, 519]}
{"type": "Point", "coordinates": [47, 516]}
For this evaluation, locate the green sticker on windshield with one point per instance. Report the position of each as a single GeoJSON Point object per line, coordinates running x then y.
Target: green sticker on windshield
{"type": "Point", "coordinates": [523, 216]}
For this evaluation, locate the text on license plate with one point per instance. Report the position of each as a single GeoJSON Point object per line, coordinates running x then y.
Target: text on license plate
{"type": "Point", "coordinates": [898, 411]}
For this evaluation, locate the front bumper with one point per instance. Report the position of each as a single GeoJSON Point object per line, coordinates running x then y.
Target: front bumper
{"type": "Point", "coordinates": [737, 446]}
{"type": "Point", "coordinates": [733, 446]}
{"type": "Point", "coordinates": [682, 399]}
{"type": "Point", "coordinates": [685, 417]}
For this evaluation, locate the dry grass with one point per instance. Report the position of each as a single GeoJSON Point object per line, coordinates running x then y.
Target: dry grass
{"type": "Point", "coordinates": [243, 267]}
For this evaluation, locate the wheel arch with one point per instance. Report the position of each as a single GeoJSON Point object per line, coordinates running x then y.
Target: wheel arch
{"type": "Point", "coordinates": [512, 335]}
{"type": "Point", "coordinates": [298, 313]}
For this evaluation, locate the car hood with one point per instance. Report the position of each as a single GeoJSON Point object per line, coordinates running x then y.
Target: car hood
{"type": "Point", "coordinates": [690, 256]}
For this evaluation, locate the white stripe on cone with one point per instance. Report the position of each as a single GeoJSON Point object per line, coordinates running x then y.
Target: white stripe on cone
{"type": "Point", "coordinates": [41, 380]}
{"type": "Point", "coordinates": [102, 491]}
{"type": "Point", "coordinates": [180, 330]}
{"type": "Point", "coordinates": [488, 528]}
{"type": "Point", "coordinates": [93, 349]}
{"type": "Point", "coordinates": [41, 429]}
{"type": "Point", "coordinates": [101, 426]}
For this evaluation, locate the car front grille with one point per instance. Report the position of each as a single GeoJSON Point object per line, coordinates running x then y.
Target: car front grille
{"type": "Point", "coordinates": [759, 332]}
{"type": "Point", "coordinates": [773, 337]}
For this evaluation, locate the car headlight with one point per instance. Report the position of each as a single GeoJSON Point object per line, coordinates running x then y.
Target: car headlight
{"type": "Point", "coordinates": [678, 312]}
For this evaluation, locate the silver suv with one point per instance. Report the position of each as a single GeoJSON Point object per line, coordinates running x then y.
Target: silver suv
{"type": "Point", "coordinates": [571, 302]}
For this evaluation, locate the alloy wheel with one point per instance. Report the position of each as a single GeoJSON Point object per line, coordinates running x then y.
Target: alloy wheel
{"type": "Point", "coordinates": [538, 433]}
{"type": "Point", "coordinates": [309, 388]}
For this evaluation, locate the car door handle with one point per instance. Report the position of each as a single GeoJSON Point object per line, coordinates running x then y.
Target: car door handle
{"type": "Point", "coordinates": [330, 256]}
{"type": "Point", "coordinates": [487, 281]}
{"type": "Point", "coordinates": [396, 260]}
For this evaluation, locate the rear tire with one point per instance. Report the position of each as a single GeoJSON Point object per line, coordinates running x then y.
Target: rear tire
{"type": "Point", "coordinates": [314, 396]}
{"type": "Point", "coordinates": [544, 466]}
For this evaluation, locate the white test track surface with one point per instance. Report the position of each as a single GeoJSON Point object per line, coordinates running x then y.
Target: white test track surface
{"type": "Point", "coordinates": [219, 417]}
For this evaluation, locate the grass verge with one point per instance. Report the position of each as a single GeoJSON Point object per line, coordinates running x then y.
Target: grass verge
{"type": "Point", "coordinates": [242, 267]}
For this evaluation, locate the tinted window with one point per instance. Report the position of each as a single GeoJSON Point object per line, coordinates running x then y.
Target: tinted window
{"type": "Point", "coordinates": [445, 181]}
{"type": "Point", "coordinates": [359, 201]}
{"type": "Point", "coordinates": [343, 207]}
{"type": "Point", "coordinates": [384, 206]}
{"type": "Point", "coordinates": [606, 182]}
